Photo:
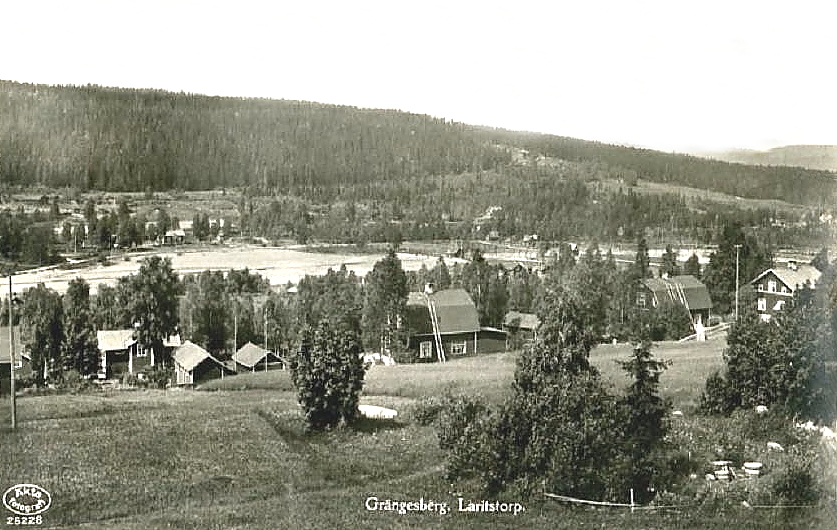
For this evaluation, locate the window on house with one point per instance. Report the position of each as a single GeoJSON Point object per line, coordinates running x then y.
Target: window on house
{"type": "Point", "coordinates": [142, 352]}
{"type": "Point", "coordinates": [458, 348]}
{"type": "Point", "coordinates": [785, 289]}
{"type": "Point", "coordinates": [779, 305]}
{"type": "Point", "coordinates": [18, 363]}
{"type": "Point", "coordinates": [771, 286]}
{"type": "Point", "coordinates": [762, 304]}
{"type": "Point", "coordinates": [640, 299]}
{"type": "Point", "coordinates": [426, 350]}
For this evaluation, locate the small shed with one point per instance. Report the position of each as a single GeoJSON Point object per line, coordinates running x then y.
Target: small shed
{"type": "Point", "coordinates": [23, 367]}
{"type": "Point", "coordinates": [255, 358]}
{"type": "Point", "coordinates": [194, 365]}
{"type": "Point", "coordinates": [524, 324]}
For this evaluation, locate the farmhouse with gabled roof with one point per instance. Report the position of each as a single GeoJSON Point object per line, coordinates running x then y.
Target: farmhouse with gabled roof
{"type": "Point", "coordinates": [119, 353]}
{"type": "Point", "coordinates": [685, 290]}
{"type": "Point", "coordinates": [445, 324]}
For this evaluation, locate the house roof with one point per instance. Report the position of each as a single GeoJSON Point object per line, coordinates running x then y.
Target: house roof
{"type": "Point", "coordinates": [120, 339]}
{"type": "Point", "coordinates": [455, 310]}
{"type": "Point", "coordinates": [695, 292]}
{"type": "Point", "coordinates": [115, 339]}
{"type": "Point", "coordinates": [189, 355]}
{"type": "Point", "coordinates": [519, 320]}
{"type": "Point", "coordinates": [249, 355]}
{"type": "Point", "coordinates": [793, 278]}
{"type": "Point", "coordinates": [4, 345]}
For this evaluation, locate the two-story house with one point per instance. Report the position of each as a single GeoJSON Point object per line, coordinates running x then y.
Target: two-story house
{"type": "Point", "coordinates": [775, 287]}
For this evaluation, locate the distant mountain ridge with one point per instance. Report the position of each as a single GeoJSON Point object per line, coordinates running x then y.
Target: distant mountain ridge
{"type": "Point", "coordinates": [821, 157]}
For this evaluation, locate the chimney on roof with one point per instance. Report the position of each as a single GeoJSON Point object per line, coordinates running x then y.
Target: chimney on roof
{"type": "Point", "coordinates": [792, 265]}
{"type": "Point", "coordinates": [428, 288]}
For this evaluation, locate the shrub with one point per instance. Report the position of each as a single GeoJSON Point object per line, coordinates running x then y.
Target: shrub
{"type": "Point", "coordinates": [328, 375]}
{"type": "Point", "coordinates": [717, 398]}
{"type": "Point", "coordinates": [456, 414]}
{"type": "Point", "coordinates": [794, 483]}
{"type": "Point", "coordinates": [73, 382]}
{"type": "Point", "coordinates": [159, 375]}
{"type": "Point", "coordinates": [426, 411]}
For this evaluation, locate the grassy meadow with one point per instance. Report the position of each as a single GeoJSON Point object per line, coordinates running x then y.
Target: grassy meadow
{"type": "Point", "coordinates": [235, 455]}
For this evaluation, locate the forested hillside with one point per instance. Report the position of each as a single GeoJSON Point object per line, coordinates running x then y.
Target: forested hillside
{"type": "Point", "coordinates": [807, 156]}
{"type": "Point", "coordinates": [133, 140]}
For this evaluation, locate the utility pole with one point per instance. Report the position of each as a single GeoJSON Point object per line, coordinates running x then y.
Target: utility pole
{"type": "Point", "coordinates": [737, 249]}
{"type": "Point", "coordinates": [12, 353]}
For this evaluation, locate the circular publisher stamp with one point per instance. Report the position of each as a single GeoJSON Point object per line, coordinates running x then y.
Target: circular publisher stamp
{"type": "Point", "coordinates": [27, 502]}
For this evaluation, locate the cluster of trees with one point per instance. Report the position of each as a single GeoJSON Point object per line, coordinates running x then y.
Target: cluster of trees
{"type": "Point", "coordinates": [60, 331]}
{"type": "Point", "coordinates": [788, 363]}
{"type": "Point", "coordinates": [562, 429]}
{"type": "Point", "coordinates": [735, 247]}
{"type": "Point", "coordinates": [223, 312]}
{"type": "Point", "coordinates": [119, 227]}
{"type": "Point", "coordinates": [556, 203]}
{"type": "Point", "coordinates": [27, 239]}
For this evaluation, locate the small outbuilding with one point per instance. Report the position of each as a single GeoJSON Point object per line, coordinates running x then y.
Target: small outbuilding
{"type": "Point", "coordinates": [524, 324]}
{"type": "Point", "coordinates": [194, 365]}
{"type": "Point", "coordinates": [254, 358]}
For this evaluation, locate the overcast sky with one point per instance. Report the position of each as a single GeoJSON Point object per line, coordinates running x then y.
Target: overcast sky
{"type": "Point", "coordinates": [674, 75]}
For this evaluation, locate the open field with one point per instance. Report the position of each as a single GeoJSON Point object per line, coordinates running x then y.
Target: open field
{"type": "Point", "coordinates": [697, 196]}
{"type": "Point", "coordinates": [239, 459]}
{"type": "Point", "coordinates": [278, 265]}
{"type": "Point", "coordinates": [491, 375]}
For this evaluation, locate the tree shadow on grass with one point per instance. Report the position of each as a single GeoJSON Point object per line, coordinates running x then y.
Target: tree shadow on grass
{"type": "Point", "coordinates": [370, 425]}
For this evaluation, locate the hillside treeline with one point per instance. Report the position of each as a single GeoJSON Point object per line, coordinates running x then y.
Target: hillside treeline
{"type": "Point", "coordinates": [792, 184]}
{"type": "Point", "coordinates": [131, 140]}
{"type": "Point", "coordinates": [134, 140]}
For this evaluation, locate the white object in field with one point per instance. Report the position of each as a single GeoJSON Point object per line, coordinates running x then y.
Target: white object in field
{"type": "Point", "coordinates": [377, 413]}
{"type": "Point", "coordinates": [677, 413]}
{"type": "Point", "coordinates": [700, 332]}
{"type": "Point", "coordinates": [761, 409]}
{"type": "Point", "coordinates": [377, 358]}
{"type": "Point", "coordinates": [752, 469]}
{"type": "Point", "coordinates": [808, 426]}
{"type": "Point", "coordinates": [775, 446]}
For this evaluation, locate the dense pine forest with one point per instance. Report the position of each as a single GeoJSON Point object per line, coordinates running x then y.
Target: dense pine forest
{"type": "Point", "coordinates": [130, 140]}
{"type": "Point", "coordinates": [343, 174]}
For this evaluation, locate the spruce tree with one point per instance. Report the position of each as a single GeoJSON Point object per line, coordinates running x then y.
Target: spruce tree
{"type": "Point", "coordinates": [328, 375]}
